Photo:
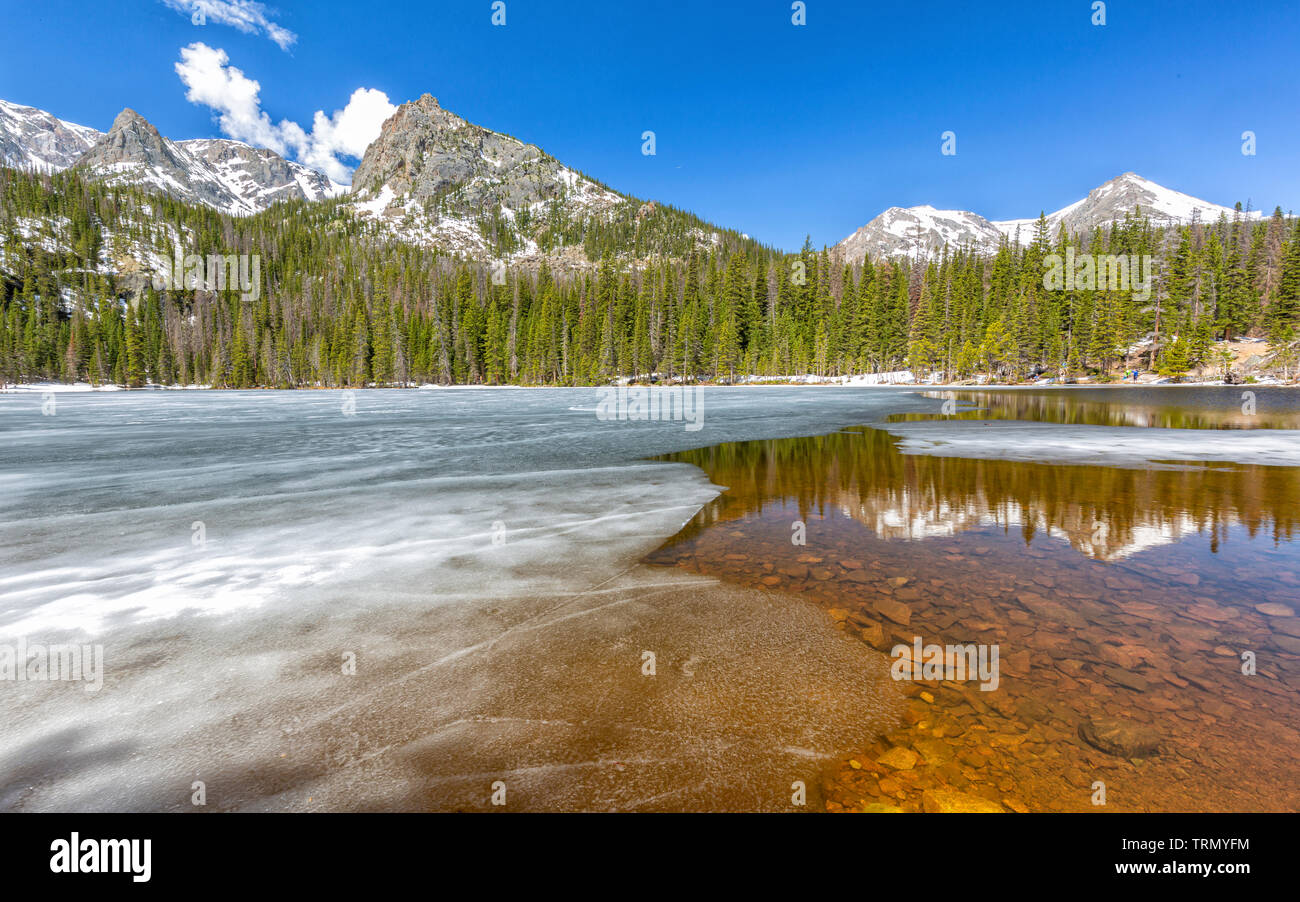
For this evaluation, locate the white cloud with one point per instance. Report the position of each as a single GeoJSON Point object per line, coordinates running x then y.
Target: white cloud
{"type": "Point", "coordinates": [211, 81]}
{"type": "Point", "coordinates": [347, 133]}
{"type": "Point", "coordinates": [248, 16]}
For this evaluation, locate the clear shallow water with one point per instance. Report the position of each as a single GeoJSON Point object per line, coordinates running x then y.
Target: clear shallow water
{"type": "Point", "coordinates": [1121, 598]}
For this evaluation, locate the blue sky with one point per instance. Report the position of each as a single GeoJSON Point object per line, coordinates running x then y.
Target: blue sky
{"type": "Point", "coordinates": [761, 125]}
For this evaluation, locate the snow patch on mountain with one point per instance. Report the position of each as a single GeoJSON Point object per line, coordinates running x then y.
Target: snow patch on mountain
{"type": "Point", "coordinates": [924, 231]}
{"type": "Point", "coordinates": [229, 176]}
{"type": "Point", "coordinates": [434, 178]}
{"type": "Point", "coordinates": [34, 139]}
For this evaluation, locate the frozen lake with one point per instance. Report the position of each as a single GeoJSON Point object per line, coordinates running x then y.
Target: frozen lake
{"type": "Point", "coordinates": [229, 548]}
{"type": "Point", "coordinates": [476, 553]}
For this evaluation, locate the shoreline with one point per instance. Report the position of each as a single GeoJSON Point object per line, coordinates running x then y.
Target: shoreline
{"type": "Point", "coordinates": [792, 382]}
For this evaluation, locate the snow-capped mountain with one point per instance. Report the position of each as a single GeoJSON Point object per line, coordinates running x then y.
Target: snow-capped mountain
{"type": "Point", "coordinates": [227, 175]}
{"type": "Point", "coordinates": [432, 177]}
{"type": "Point", "coordinates": [259, 177]}
{"type": "Point", "coordinates": [34, 139]}
{"type": "Point", "coordinates": [924, 231]}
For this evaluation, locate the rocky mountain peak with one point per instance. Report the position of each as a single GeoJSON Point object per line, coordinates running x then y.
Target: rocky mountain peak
{"type": "Point", "coordinates": [227, 175]}
{"type": "Point", "coordinates": [424, 151]}
{"type": "Point", "coordinates": [924, 231]}
{"type": "Point", "coordinates": [131, 139]}
{"type": "Point", "coordinates": [130, 119]}
{"type": "Point", "coordinates": [432, 176]}
{"type": "Point", "coordinates": [33, 139]}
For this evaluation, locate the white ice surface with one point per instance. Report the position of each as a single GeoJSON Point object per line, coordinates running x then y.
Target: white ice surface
{"type": "Point", "coordinates": [1104, 445]}
{"type": "Point", "coordinates": [372, 534]}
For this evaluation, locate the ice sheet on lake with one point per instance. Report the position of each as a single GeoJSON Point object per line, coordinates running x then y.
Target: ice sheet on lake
{"type": "Point", "coordinates": [325, 534]}
{"type": "Point", "coordinates": [1115, 446]}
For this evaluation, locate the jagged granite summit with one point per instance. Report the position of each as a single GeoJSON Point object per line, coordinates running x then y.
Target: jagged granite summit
{"type": "Point", "coordinates": [229, 176]}
{"type": "Point", "coordinates": [34, 139]}
{"type": "Point", "coordinates": [432, 177]}
{"type": "Point", "coordinates": [424, 151]}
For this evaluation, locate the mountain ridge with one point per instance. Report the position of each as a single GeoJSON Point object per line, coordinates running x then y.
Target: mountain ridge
{"type": "Point", "coordinates": [229, 176]}
{"type": "Point", "coordinates": [221, 173]}
{"type": "Point", "coordinates": [923, 230]}
{"type": "Point", "coordinates": [34, 139]}
{"type": "Point", "coordinates": [432, 177]}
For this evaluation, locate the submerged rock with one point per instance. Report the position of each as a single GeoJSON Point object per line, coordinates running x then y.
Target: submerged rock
{"type": "Point", "coordinates": [898, 758]}
{"type": "Point", "coordinates": [894, 610]}
{"type": "Point", "coordinates": [946, 801]}
{"type": "Point", "coordinates": [1126, 678]}
{"type": "Point", "coordinates": [1122, 738]}
{"type": "Point", "coordinates": [880, 808]}
{"type": "Point", "coordinates": [1287, 643]}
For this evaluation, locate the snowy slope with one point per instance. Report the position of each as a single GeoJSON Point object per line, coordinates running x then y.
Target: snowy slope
{"type": "Point", "coordinates": [434, 178]}
{"type": "Point", "coordinates": [34, 139]}
{"type": "Point", "coordinates": [920, 231]}
{"type": "Point", "coordinates": [258, 176]}
{"type": "Point", "coordinates": [230, 176]}
{"type": "Point", "coordinates": [924, 231]}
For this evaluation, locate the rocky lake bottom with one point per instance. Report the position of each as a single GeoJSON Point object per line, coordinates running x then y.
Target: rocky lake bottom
{"type": "Point", "coordinates": [1121, 602]}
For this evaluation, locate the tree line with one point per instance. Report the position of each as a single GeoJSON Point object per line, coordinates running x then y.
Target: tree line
{"type": "Point", "coordinates": [342, 304]}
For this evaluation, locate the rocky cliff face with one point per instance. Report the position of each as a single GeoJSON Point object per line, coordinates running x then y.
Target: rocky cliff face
{"type": "Point", "coordinates": [227, 175]}
{"type": "Point", "coordinates": [134, 144]}
{"type": "Point", "coordinates": [426, 152]}
{"type": "Point", "coordinates": [34, 139]}
{"type": "Point", "coordinates": [432, 177]}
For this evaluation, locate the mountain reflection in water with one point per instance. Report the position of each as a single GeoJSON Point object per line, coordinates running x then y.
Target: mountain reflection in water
{"type": "Point", "coordinates": [1168, 407]}
{"type": "Point", "coordinates": [1146, 618]}
{"type": "Point", "coordinates": [1105, 513]}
